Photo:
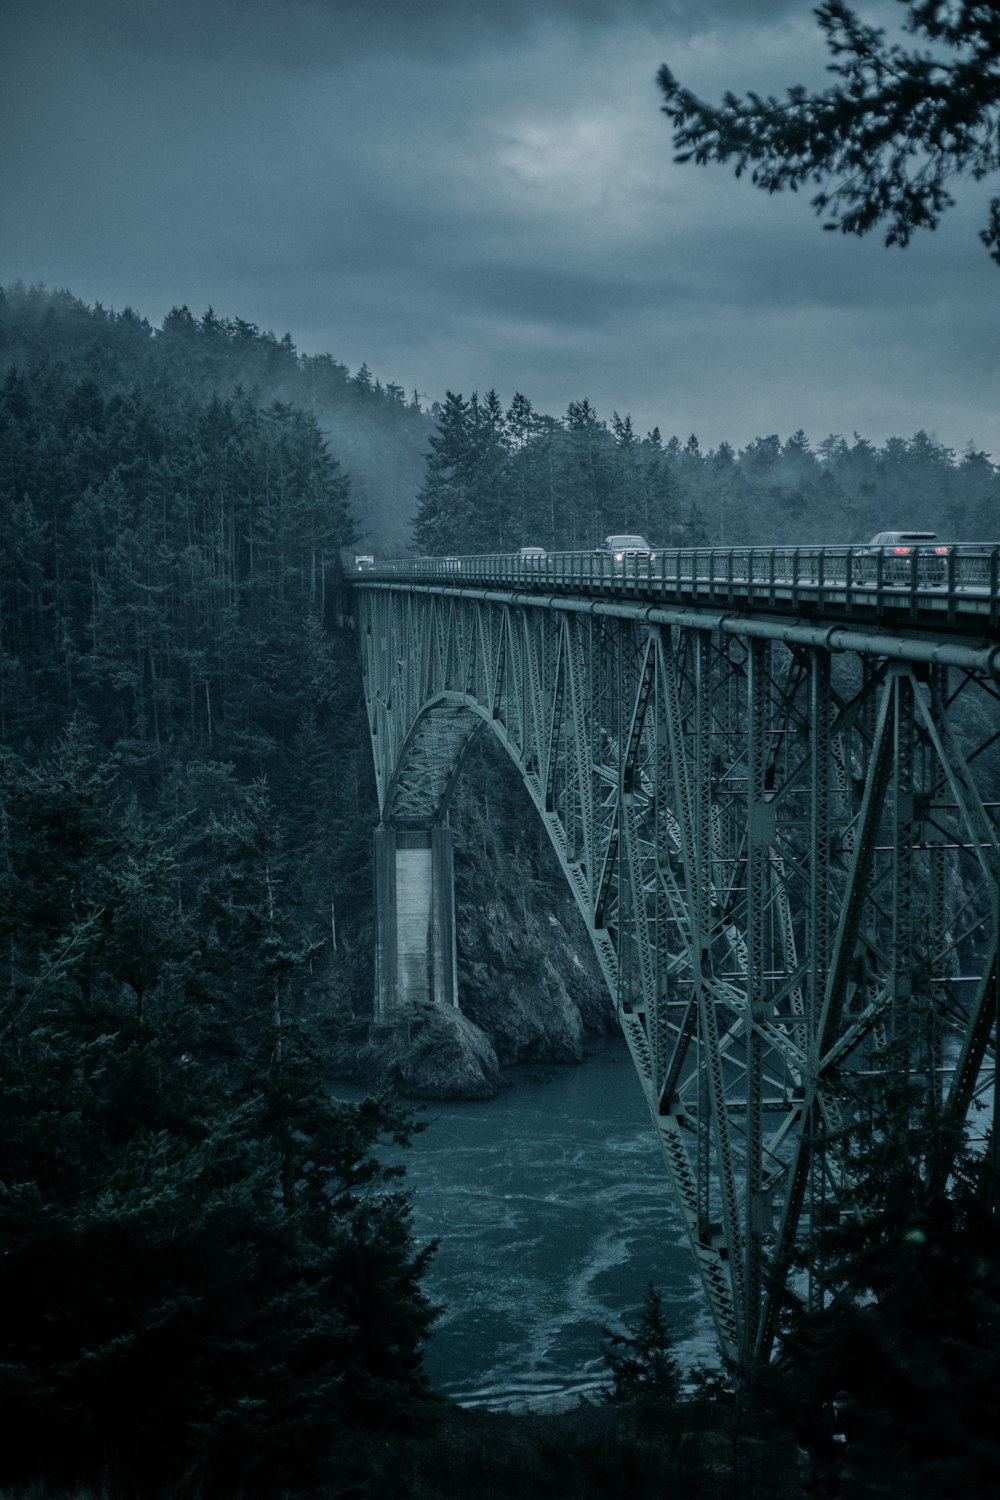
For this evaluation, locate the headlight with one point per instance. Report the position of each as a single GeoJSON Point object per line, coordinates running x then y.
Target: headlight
{"type": "Point", "coordinates": [619, 557]}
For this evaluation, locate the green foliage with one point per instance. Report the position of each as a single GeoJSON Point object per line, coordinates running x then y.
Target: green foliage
{"type": "Point", "coordinates": [644, 1371]}
{"type": "Point", "coordinates": [171, 545]}
{"type": "Point", "coordinates": [910, 1319]}
{"type": "Point", "coordinates": [495, 480]}
{"type": "Point", "coordinates": [886, 139]}
{"type": "Point", "coordinates": [205, 1264]}
{"type": "Point", "coordinates": [166, 560]}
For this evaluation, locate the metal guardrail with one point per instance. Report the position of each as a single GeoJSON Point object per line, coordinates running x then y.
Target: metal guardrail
{"type": "Point", "coordinates": [960, 587]}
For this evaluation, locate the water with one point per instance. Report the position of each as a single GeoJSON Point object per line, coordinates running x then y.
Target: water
{"type": "Point", "coordinates": [553, 1211]}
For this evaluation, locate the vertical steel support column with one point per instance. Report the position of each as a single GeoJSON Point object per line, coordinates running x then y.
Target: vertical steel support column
{"type": "Point", "coordinates": [659, 1037]}
{"type": "Point", "coordinates": [937, 921]}
{"type": "Point", "coordinates": [579, 777]}
{"type": "Point", "coordinates": [902, 862]}
{"type": "Point", "coordinates": [759, 835]}
{"type": "Point", "coordinates": [622, 701]}
{"type": "Point", "coordinates": [701, 917]}
{"type": "Point", "coordinates": [813, 1167]}
{"type": "Point", "coordinates": [818, 913]}
{"type": "Point", "coordinates": [715, 1103]}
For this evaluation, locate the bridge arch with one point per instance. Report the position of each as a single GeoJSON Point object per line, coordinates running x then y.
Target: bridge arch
{"type": "Point", "coordinates": [420, 787]}
{"type": "Point", "coordinates": [778, 841]}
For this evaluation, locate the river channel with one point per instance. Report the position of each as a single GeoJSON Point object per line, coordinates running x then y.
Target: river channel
{"type": "Point", "coordinates": [553, 1212]}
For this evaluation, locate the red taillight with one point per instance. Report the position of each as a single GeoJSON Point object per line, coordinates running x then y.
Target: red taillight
{"type": "Point", "coordinates": [901, 551]}
{"type": "Point", "coordinates": [941, 551]}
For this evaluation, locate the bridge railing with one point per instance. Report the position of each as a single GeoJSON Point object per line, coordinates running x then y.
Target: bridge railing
{"type": "Point", "coordinates": [959, 578]}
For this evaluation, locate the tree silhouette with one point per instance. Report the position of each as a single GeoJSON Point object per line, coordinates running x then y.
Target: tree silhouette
{"type": "Point", "coordinates": [640, 1360]}
{"type": "Point", "coordinates": [884, 142]}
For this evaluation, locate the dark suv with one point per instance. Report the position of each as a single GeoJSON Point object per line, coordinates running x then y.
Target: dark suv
{"type": "Point", "coordinates": [623, 545]}
{"type": "Point", "coordinates": [897, 549]}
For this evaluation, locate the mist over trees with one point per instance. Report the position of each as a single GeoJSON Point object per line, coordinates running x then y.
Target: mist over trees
{"type": "Point", "coordinates": [207, 1268]}
{"type": "Point", "coordinates": [497, 479]}
{"type": "Point", "coordinates": [378, 431]}
{"type": "Point", "coordinates": [207, 1265]}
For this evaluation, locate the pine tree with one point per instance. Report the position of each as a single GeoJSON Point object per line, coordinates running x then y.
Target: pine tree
{"type": "Point", "coordinates": [205, 1262]}
{"type": "Point", "coordinates": [643, 1368]}
{"type": "Point", "coordinates": [886, 140]}
{"type": "Point", "coordinates": [909, 1318]}
{"type": "Point", "coordinates": [444, 503]}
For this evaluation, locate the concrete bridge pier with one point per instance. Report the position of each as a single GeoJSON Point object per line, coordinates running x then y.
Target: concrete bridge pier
{"type": "Point", "coordinates": [414, 919]}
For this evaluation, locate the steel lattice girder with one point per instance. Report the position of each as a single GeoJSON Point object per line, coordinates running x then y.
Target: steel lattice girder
{"type": "Point", "coordinates": [781, 858]}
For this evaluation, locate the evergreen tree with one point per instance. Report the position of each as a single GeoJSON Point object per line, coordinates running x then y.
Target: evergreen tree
{"type": "Point", "coordinates": [885, 141]}
{"type": "Point", "coordinates": [643, 1368]}
{"type": "Point", "coordinates": [495, 528]}
{"type": "Point", "coordinates": [445, 504]}
{"type": "Point", "coordinates": [206, 1264]}
{"type": "Point", "coordinates": [909, 1318]}
{"type": "Point", "coordinates": [588, 505]}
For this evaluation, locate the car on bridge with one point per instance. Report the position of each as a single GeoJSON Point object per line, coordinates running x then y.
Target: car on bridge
{"type": "Point", "coordinates": [623, 546]}
{"type": "Point", "coordinates": [364, 562]}
{"type": "Point", "coordinates": [897, 550]}
{"type": "Point", "coordinates": [532, 557]}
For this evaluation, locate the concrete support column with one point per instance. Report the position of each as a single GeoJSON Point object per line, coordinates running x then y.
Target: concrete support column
{"type": "Point", "coordinates": [414, 919]}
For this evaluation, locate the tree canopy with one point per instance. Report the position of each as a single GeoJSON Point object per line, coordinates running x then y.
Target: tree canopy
{"type": "Point", "coordinates": [495, 480]}
{"type": "Point", "coordinates": [205, 1261]}
{"type": "Point", "coordinates": [886, 139]}
{"type": "Point", "coordinates": [641, 1361]}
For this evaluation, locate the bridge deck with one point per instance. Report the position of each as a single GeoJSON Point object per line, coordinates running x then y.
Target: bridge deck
{"type": "Point", "coordinates": [957, 594]}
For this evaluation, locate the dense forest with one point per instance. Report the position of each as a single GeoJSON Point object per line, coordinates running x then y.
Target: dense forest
{"type": "Point", "coordinates": [206, 1266]}
{"type": "Point", "coordinates": [497, 479]}
{"type": "Point", "coordinates": [207, 1263]}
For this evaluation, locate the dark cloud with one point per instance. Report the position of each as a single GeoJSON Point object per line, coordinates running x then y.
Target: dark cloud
{"type": "Point", "coordinates": [320, 33]}
{"type": "Point", "coordinates": [467, 195]}
{"type": "Point", "coordinates": [548, 296]}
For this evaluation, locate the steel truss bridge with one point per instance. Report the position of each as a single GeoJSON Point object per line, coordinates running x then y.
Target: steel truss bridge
{"type": "Point", "coordinates": [772, 781]}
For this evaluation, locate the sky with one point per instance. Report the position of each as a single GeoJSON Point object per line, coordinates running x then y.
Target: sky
{"type": "Point", "coordinates": [481, 194]}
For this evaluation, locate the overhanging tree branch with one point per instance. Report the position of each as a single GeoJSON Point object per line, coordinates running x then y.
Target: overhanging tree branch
{"type": "Point", "coordinates": [883, 143]}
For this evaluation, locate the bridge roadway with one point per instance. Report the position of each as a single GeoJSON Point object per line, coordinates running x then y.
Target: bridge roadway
{"type": "Point", "coordinates": [772, 781]}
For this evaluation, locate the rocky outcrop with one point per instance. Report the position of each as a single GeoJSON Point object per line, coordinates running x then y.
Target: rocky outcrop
{"type": "Point", "coordinates": [527, 995]}
{"type": "Point", "coordinates": [429, 1052]}
{"type": "Point", "coordinates": [446, 1056]}
{"type": "Point", "coordinates": [527, 985]}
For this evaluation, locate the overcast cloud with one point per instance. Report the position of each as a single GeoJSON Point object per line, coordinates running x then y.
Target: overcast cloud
{"type": "Point", "coordinates": [470, 195]}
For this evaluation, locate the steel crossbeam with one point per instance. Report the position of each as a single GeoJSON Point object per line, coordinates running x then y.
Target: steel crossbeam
{"type": "Point", "coordinates": [785, 843]}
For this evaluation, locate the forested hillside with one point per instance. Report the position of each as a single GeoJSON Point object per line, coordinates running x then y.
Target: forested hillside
{"type": "Point", "coordinates": [206, 1268]}
{"type": "Point", "coordinates": [378, 432]}
{"type": "Point", "coordinates": [164, 577]}
{"type": "Point", "coordinates": [186, 807]}
{"type": "Point", "coordinates": [497, 479]}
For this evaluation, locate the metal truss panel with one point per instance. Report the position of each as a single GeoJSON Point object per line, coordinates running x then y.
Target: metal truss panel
{"type": "Point", "coordinates": [785, 851]}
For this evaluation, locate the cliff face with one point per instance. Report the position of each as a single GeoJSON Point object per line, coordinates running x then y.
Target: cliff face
{"type": "Point", "coordinates": [529, 986]}
{"type": "Point", "coordinates": [527, 993]}
{"type": "Point", "coordinates": [526, 983]}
